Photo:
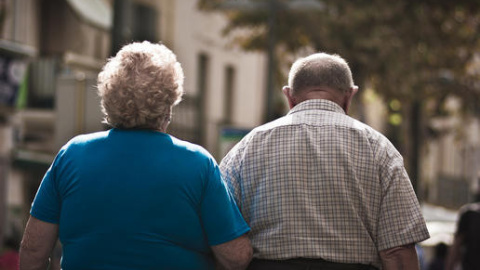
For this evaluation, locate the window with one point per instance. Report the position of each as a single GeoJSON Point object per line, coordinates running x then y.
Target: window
{"type": "Point", "coordinates": [132, 21]}
{"type": "Point", "coordinates": [42, 83]}
{"type": "Point", "coordinates": [228, 105]}
{"type": "Point", "coordinates": [144, 23]}
{"type": "Point", "coordinates": [202, 86]}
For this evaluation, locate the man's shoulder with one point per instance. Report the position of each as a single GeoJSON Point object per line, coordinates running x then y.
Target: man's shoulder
{"type": "Point", "coordinates": [279, 122]}
{"type": "Point", "coordinates": [340, 121]}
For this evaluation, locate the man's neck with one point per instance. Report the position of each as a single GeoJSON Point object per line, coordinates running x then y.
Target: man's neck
{"type": "Point", "coordinates": [320, 93]}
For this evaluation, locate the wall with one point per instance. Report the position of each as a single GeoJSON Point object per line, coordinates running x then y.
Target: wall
{"type": "Point", "coordinates": [451, 161]}
{"type": "Point", "coordinates": [197, 32]}
{"type": "Point", "coordinates": [20, 23]}
{"type": "Point", "coordinates": [18, 40]}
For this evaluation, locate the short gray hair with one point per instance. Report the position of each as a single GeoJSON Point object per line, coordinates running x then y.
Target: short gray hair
{"type": "Point", "coordinates": [320, 70]}
{"type": "Point", "coordinates": [139, 86]}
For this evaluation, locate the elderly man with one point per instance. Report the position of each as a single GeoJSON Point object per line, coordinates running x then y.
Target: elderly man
{"type": "Point", "coordinates": [319, 189]}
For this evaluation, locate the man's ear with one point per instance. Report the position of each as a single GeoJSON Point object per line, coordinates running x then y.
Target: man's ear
{"type": "Point", "coordinates": [287, 91]}
{"type": "Point", "coordinates": [348, 98]}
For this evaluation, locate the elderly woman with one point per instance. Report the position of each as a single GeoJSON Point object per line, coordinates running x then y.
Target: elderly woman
{"type": "Point", "coordinates": [134, 197]}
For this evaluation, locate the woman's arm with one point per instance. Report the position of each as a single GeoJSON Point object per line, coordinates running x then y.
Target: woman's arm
{"type": "Point", "coordinates": [235, 254]}
{"type": "Point", "coordinates": [37, 244]}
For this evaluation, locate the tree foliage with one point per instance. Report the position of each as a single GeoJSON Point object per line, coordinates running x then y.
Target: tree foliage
{"type": "Point", "coordinates": [407, 50]}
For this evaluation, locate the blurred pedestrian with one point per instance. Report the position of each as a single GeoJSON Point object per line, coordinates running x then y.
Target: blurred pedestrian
{"type": "Point", "coordinates": [439, 257]}
{"type": "Point", "coordinates": [319, 189]}
{"type": "Point", "coordinates": [465, 250]}
{"type": "Point", "coordinates": [421, 256]}
{"type": "Point", "coordinates": [9, 258]}
{"type": "Point", "coordinates": [134, 197]}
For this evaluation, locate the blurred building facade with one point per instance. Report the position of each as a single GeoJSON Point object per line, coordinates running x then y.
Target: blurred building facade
{"type": "Point", "coordinates": [59, 46]}
{"type": "Point", "coordinates": [19, 45]}
{"type": "Point", "coordinates": [451, 161]}
{"type": "Point", "coordinates": [57, 41]}
{"type": "Point", "coordinates": [450, 154]}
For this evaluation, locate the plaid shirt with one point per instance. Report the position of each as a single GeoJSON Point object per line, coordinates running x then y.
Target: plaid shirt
{"type": "Point", "coordinates": [320, 184]}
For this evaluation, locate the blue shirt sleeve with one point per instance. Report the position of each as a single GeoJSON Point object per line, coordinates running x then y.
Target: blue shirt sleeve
{"type": "Point", "coordinates": [221, 218]}
{"type": "Point", "coordinates": [46, 205]}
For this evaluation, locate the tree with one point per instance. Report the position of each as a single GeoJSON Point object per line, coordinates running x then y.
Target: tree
{"type": "Point", "coordinates": [409, 51]}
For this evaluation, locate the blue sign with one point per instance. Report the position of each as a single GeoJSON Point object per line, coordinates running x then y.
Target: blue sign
{"type": "Point", "coordinates": [229, 137]}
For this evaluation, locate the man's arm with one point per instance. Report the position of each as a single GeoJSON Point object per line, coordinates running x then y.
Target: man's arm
{"type": "Point", "coordinates": [38, 241]}
{"type": "Point", "coordinates": [400, 258]}
{"type": "Point", "coordinates": [235, 254]}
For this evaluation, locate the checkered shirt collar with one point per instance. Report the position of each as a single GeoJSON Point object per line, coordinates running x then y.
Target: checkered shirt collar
{"type": "Point", "coordinates": [317, 104]}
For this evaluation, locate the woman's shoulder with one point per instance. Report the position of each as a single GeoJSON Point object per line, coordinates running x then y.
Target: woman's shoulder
{"type": "Point", "coordinates": [84, 138]}
{"type": "Point", "coordinates": [191, 148]}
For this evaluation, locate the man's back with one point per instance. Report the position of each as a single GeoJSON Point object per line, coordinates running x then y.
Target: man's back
{"type": "Point", "coordinates": [319, 184]}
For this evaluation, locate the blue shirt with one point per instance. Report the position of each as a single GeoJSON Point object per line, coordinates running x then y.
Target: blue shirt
{"type": "Point", "coordinates": [137, 200]}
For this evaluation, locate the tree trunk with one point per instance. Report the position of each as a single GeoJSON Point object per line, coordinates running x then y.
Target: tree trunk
{"type": "Point", "coordinates": [4, 166]}
{"type": "Point", "coordinates": [415, 145]}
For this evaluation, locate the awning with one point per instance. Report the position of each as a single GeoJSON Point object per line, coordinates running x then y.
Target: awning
{"type": "Point", "coordinates": [33, 157]}
{"type": "Point", "coordinates": [441, 224]}
{"type": "Point", "coordinates": [96, 12]}
{"type": "Point", "coordinates": [16, 49]}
